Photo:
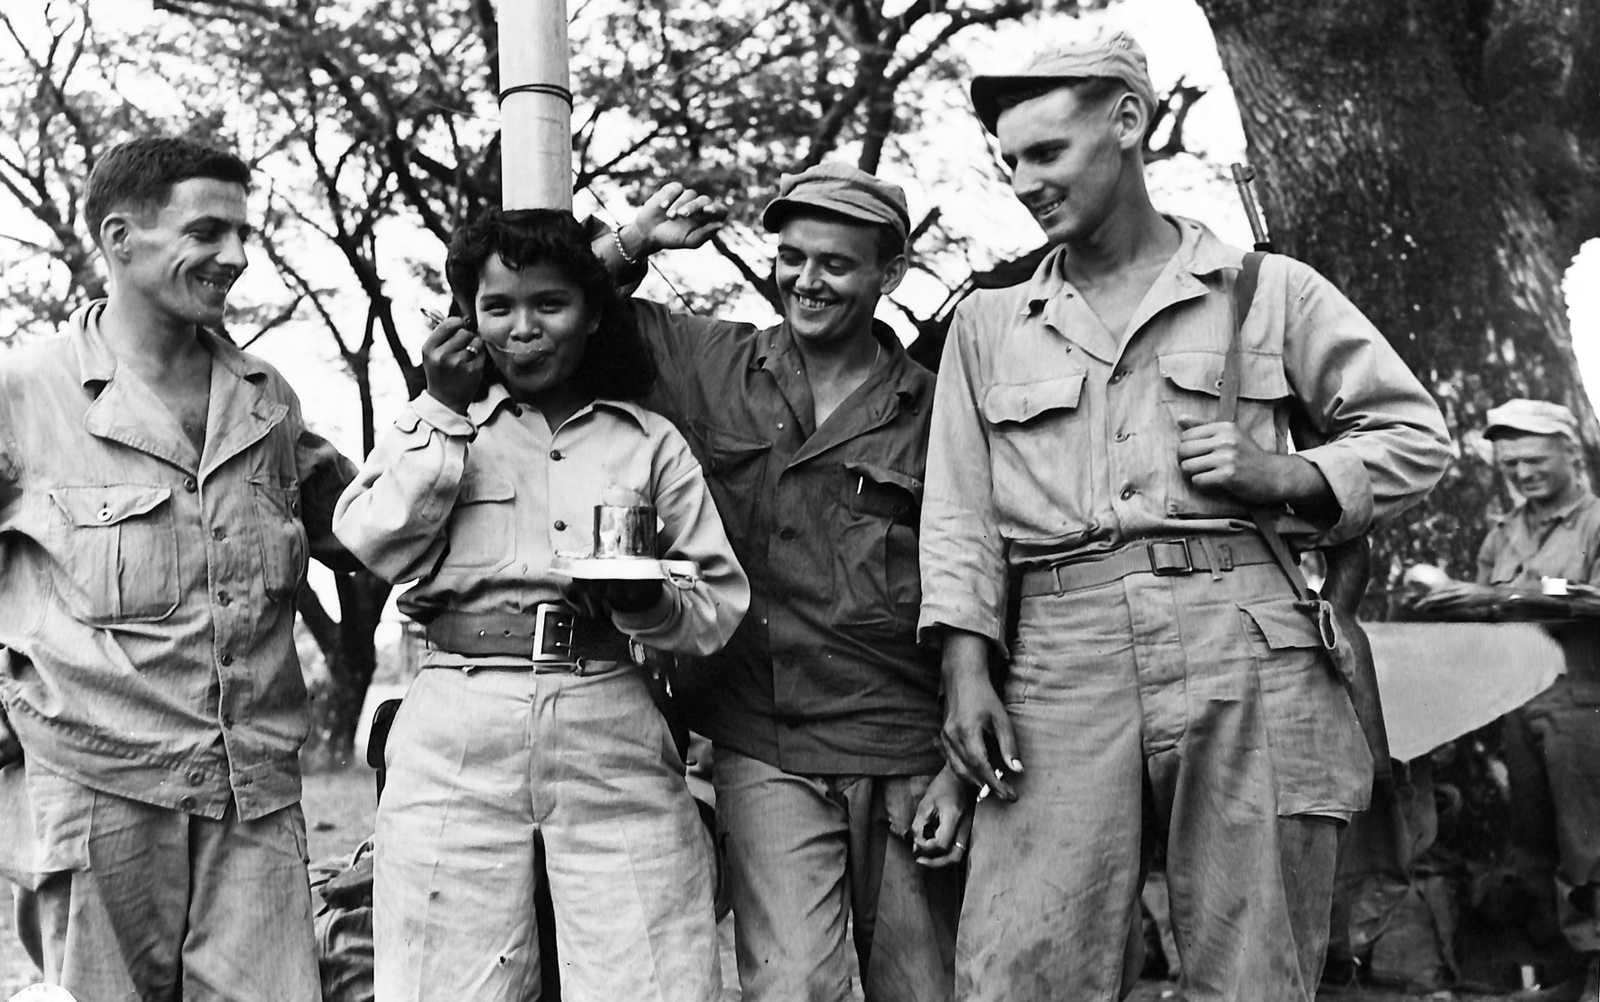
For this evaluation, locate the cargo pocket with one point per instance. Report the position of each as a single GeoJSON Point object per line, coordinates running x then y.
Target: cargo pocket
{"type": "Point", "coordinates": [121, 552]}
{"type": "Point", "coordinates": [483, 524]}
{"type": "Point", "coordinates": [281, 535]}
{"type": "Point", "coordinates": [1320, 760]}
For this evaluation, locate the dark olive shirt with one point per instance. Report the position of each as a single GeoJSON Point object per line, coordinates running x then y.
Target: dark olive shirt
{"type": "Point", "coordinates": [824, 676]}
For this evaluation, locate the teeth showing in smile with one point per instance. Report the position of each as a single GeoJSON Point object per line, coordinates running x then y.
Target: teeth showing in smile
{"type": "Point", "coordinates": [1048, 207]}
{"type": "Point", "coordinates": [218, 285]}
{"type": "Point", "coordinates": [806, 302]}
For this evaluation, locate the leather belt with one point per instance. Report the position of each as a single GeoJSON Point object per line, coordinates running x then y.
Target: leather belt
{"type": "Point", "coordinates": [551, 635]}
{"type": "Point", "coordinates": [1210, 554]}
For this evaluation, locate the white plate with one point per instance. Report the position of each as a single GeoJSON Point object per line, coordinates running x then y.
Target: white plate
{"type": "Point", "coordinates": [624, 568]}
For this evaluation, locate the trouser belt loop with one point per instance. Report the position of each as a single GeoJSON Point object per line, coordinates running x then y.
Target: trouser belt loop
{"type": "Point", "coordinates": [1214, 559]}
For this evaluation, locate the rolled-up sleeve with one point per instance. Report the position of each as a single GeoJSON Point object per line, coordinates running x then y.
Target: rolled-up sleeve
{"type": "Point", "coordinates": [1378, 437]}
{"type": "Point", "coordinates": [698, 616]}
{"type": "Point", "coordinates": [392, 516]}
{"type": "Point", "coordinates": [962, 552]}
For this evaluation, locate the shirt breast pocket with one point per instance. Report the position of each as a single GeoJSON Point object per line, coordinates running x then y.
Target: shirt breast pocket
{"type": "Point", "coordinates": [281, 535]}
{"type": "Point", "coordinates": [483, 527]}
{"type": "Point", "coordinates": [879, 582]}
{"type": "Point", "coordinates": [1191, 388]}
{"type": "Point", "coordinates": [1036, 437]}
{"type": "Point", "coordinates": [736, 468]}
{"type": "Point", "coordinates": [120, 552]}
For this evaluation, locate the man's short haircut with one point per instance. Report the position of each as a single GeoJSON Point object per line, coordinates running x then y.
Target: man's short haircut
{"type": "Point", "coordinates": [138, 176]}
{"type": "Point", "coordinates": [1091, 91]}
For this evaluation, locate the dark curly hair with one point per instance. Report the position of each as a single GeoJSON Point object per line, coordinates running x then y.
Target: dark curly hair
{"type": "Point", "coordinates": [139, 175]}
{"type": "Point", "coordinates": [616, 361]}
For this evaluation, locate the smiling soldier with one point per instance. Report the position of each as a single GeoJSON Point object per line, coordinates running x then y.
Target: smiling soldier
{"type": "Point", "coordinates": [1162, 681]}
{"type": "Point", "coordinates": [823, 711]}
{"type": "Point", "coordinates": [159, 495]}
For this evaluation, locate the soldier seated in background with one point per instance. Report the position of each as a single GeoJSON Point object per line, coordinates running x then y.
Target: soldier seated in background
{"type": "Point", "coordinates": [1552, 744]}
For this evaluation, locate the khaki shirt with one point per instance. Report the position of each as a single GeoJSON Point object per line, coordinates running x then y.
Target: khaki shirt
{"type": "Point", "coordinates": [1520, 549]}
{"type": "Point", "coordinates": [474, 507]}
{"type": "Point", "coordinates": [1053, 436]}
{"type": "Point", "coordinates": [146, 590]}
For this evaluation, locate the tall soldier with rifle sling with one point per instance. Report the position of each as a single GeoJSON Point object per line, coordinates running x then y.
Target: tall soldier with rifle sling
{"type": "Point", "coordinates": [1090, 459]}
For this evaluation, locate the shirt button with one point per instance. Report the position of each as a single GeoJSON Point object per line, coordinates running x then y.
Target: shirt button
{"type": "Point", "coordinates": [561, 526]}
{"type": "Point", "coordinates": [223, 598]}
{"type": "Point", "coordinates": [104, 514]}
{"type": "Point", "coordinates": [226, 659]}
{"type": "Point", "coordinates": [1123, 436]}
{"type": "Point", "coordinates": [219, 534]}
{"type": "Point", "coordinates": [190, 485]}
{"type": "Point", "coordinates": [1128, 492]}
{"type": "Point", "coordinates": [196, 777]}
{"type": "Point", "coordinates": [780, 425]}
{"type": "Point", "coordinates": [786, 533]}
{"type": "Point", "coordinates": [186, 802]}
{"type": "Point", "coordinates": [516, 411]}
{"type": "Point", "coordinates": [555, 454]}
{"type": "Point", "coordinates": [1119, 375]}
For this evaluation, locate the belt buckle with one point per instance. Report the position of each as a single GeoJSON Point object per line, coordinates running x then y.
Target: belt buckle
{"type": "Point", "coordinates": [1167, 568]}
{"type": "Point", "coordinates": [553, 631]}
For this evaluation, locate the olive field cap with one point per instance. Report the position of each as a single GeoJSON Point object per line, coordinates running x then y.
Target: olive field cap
{"type": "Point", "coordinates": [1531, 417]}
{"type": "Point", "coordinates": [1112, 55]}
{"type": "Point", "coordinates": [843, 190]}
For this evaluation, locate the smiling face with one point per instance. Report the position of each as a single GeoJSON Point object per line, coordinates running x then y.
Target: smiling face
{"type": "Point", "coordinates": [830, 277]}
{"type": "Point", "coordinates": [535, 322]}
{"type": "Point", "coordinates": [180, 260]}
{"type": "Point", "coordinates": [1068, 158]}
{"type": "Point", "coordinates": [1542, 468]}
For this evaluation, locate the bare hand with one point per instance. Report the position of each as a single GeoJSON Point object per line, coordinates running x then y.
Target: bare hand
{"type": "Point", "coordinates": [452, 361]}
{"type": "Point", "coordinates": [676, 217]}
{"type": "Point", "coordinates": [977, 738]}
{"type": "Point", "coordinates": [942, 825]}
{"type": "Point", "coordinates": [1220, 457]}
{"type": "Point", "coordinates": [1457, 598]}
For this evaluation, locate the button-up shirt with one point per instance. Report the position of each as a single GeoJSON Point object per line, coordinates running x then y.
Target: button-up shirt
{"type": "Point", "coordinates": [1521, 548]}
{"type": "Point", "coordinates": [1054, 436]}
{"type": "Point", "coordinates": [475, 506]}
{"type": "Point", "coordinates": [147, 589]}
{"type": "Point", "coordinates": [824, 677]}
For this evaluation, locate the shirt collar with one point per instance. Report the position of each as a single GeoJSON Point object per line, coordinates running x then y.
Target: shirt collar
{"type": "Point", "coordinates": [1566, 513]}
{"type": "Point", "coordinates": [1200, 254]}
{"type": "Point", "coordinates": [896, 365]}
{"type": "Point", "coordinates": [479, 412]}
{"type": "Point", "coordinates": [97, 363]}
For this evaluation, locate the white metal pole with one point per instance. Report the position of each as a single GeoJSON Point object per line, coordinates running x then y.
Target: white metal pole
{"type": "Point", "coordinates": [535, 105]}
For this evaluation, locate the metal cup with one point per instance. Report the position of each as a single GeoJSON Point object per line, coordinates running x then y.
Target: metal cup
{"type": "Point", "coordinates": [624, 530]}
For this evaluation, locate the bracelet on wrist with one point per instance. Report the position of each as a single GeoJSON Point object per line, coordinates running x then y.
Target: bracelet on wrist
{"type": "Point", "coordinates": [622, 251]}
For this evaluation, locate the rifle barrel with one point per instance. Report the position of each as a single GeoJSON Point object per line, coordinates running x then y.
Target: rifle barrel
{"type": "Point", "coordinates": [1243, 174]}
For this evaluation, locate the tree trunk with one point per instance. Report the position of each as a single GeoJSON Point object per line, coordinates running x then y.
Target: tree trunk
{"type": "Point", "coordinates": [351, 655]}
{"type": "Point", "coordinates": [1392, 150]}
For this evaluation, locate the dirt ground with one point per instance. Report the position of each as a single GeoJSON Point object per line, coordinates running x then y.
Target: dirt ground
{"type": "Point", "coordinates": [339, 807]}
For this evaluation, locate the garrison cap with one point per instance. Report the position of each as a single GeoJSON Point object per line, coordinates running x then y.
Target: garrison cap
{"type": "Point", "coordinates": [1102, 53]}
{"type": "Point", "coordinates": [843, 190]}
{"type": "Point", "coordinates": [1531, 417]}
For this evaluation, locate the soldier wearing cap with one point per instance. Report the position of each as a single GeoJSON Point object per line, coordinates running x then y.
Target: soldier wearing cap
{"type": "Point", "coordinates": [1162, 683]}
{"type": "Point", "coordinates": [1552, 743]}
{"type": "Point", "coordinates": [823, 710]}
